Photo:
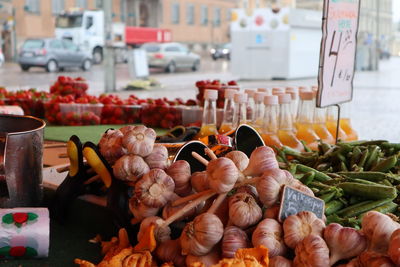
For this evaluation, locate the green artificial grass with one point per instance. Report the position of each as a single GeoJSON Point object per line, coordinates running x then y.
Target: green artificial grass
{"type": "Point", "coordinates": [90, 133]}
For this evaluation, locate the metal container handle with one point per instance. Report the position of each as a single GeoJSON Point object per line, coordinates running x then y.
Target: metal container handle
{"type": "Point", "coordinates": [3, 179]}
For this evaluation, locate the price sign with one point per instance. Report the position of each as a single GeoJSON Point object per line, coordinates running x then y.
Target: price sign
{"type": "Point", "coordinates": [338, 51]}
{"type": "Point", "coordinates": [294, 201]}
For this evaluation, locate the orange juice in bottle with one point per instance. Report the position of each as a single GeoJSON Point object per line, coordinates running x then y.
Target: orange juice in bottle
{"type": "Point", "coordinates": [270, 122]}
{"type": "Point", "coordinates": [227, 121]}
{"type": "Point", "coordinates": [331, 123]}
{"type": "Point", "coordinates": [286, 133]}
{"type": "Point", "coordinates": [240, 109]}
{"type": "Point", "coordinates": [305, 128]}
{"type": "Point", "coordinates": [320, 127]}
{"type": "Point", "coordinates": [209, 123]}
{"type": "Point", "coordinates": [258, 119]}
{"type": "Point", "coordinates": [345, 123]}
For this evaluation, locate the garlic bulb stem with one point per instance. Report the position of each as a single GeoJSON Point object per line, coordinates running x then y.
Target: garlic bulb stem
{"type": "Point", "coordinates": [200, 158]}
{"type": "Point", "coordinates": [187, 208]}
{"type": "Point", "coordinates": [199, 194]}
{"type": "Point", "coordinates": [210, 153]}
{"type": "Point", "coordinates": [191, 197]}
{"type": "Point", "coordinates": [217, 203]}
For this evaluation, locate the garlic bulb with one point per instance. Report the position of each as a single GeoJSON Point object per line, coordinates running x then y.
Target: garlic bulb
{"type": "Point", "coordinates": [269, 233]}
{"type": "Point", "coordinates": [261, 159]}
{"type": "Point", "coordinates": [297, 227]}
{"type": "Point", "coordinates": [234, 239]}
{"type": "Point", "coordinates": [199, 181]}
{"type": "Point", "coordinates": [161, 233]}
{"type": "Point", "coordinates": [139, 140]}
{"type": "Point", "coordinates": [270, 184]}
{"type": "Point", "coordinates": [239, 158]}
{"type": "Point", "coordinates": [180, 173]}
{"type": "Point", "coordinates": [168, 210]}
{"type": "Point", "coordinates": [279, 261]}
{"type": "Point", "coordinates": [394, 247]}
{"type": "Point", "coordinates": [140, 210]}
{"type": "Point", "coordinates": [222, 174]}
{"type": "Point", "coordinates": [110, 145]}
{"type": "Point", "coordinates": [158, 158]}
{"type": "Point", "coordinates": [207, 260]}
{"type": "Point", "coordinates": [130, 168]}
{"type": "Point", "coordinates": [301, 187]}
{"type": "Point", "coordinates": [378, 228]}
{"type": "Point", "coordinates": [343, 242]}
{"type": "Point", "coordinates": [170, 251]}
{"type": "Point", "coordinates": [243, 210]}
{"type": "Point", "coordinates": [155, 188]}
{"type": "Point", "coordinates": [272, 212]}
{"type": "Point", "coordinates": [312, 251]}
{"type": "Point", "coordinates": [372, 259]}
{"type": "Point", "coordinates": [199, 237]}
{"type": "Point", "coordinates": [249, 189]}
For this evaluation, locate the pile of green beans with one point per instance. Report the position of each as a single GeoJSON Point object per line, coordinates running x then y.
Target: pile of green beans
{"type": "Point", "coordinates": [352, 178]}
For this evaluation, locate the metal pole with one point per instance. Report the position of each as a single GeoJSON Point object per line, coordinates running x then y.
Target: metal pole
{"type": "Point", "coordinates": [109, 71]}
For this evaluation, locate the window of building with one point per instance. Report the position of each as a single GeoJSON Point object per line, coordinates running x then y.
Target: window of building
{"type": "Point", "coordinates": [190, 14]}
{"type": "Point", "coordinates": [81, 3]}
{"type": "Point", "coordinates": [175, 13]}
{"type": "Point", "coordinates": [32, 6]}
{"type": "Point", "coordinates": [204, 15]}
{"type": "Point", "coordinates": [57, 6]}
{"type": "Point", "coordinates": [99, 3]}
{"type": "Point", "coordinates": [217, 17]}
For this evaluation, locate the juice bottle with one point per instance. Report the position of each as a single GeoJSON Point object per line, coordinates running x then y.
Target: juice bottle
{"type": "Point", "coordinates": [240, 111]}
{"type": "Point", "coordinates": [269, 131]}
{"type": "Point", "coordinates": [295, 101]}
{"type": "Point", "coordinates": [264, 90]}
{"type": "Point", "coordinates": [286, 133]}
{"type": "Point", "coordinates": [227, 121]}
{"type": "Point", "coordinates": [250, 105]}
{"type": "Point", "coordinates": [320, 127]}
{"type": "Point", "coordinates": [345, 122]}
{"type": "Point", "coordinates": [305, 129]}
{"type": "Point", "coordinates": [278, 91]}
{"type": "Point", "coordinates": [209, 123]}
{"type": "Point", "coordinates": [331, 123]}
{"type": "Point", "coordinates": [257, 122]}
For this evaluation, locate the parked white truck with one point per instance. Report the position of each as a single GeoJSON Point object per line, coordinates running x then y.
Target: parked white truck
{"type": "Point", "coordinates": [86, 29]}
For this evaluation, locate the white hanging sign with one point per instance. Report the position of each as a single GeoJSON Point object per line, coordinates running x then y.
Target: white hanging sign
{"type": "Point", "coordinates": [338, 51]}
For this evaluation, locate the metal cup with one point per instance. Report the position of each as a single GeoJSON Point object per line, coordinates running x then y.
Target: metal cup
{"type": "Point", "coordinates": [21, 155]}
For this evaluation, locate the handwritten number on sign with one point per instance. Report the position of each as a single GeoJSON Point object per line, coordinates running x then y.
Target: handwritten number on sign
{"type": "Point", "coordinates": [335, 53]}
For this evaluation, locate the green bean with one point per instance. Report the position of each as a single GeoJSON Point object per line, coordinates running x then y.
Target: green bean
{"type": "Point", "coordinates": [369, 176]}
{"type": "Point", "coordinates": [323, 167]}
{"type": "Point", "coordinates": [395, 146]}
{"type": "Point", "coordinates": [354, 200]}
{"type": "Point", "coordinates": [324, 147]}
{"type": "Point", "coordinates": [319, 176]}
{"type": "Point", "coordinates": [361, 181]}
{"type": "Point", "coordinates": [308, 178]}
{"type": "Point", "coordinates": [320, 185]}
{"type": "Point", "coordinates": [385, 208]}
{"type": "Point", "coordinates": [386, 164]}
{"type": "Point", "coordinates": [386, 182]}
{"type": "Point", "coordinates": [357, 209]}
{"type": "Point", "coordinates": [333, 206]}
{"type": "Point", "coordinates": [373, 155]}
{"type": "Point", "coordinates": [363, 159]}
{"type": "Point", "coordinates": [343, 166]}
{"type": "Point", "coordinates": [369, 191]}
{"type": "Point", "coordinates": [356, 156]}
{"type": "Point", "coordinates": [328, 196]}
{"type": "Point", "coordinates": [305, 146]}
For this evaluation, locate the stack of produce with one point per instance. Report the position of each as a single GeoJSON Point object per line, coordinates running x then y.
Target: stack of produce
{"type": "Point", "coordinates": [352, 178]}
{"type": "Point", "coordinates": [235, 203]}
{"type": "Point", "coordinates": [69, 86]}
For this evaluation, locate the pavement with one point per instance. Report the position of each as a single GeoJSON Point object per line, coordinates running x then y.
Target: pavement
{"type": "Point", "coordinates": [375, 107]}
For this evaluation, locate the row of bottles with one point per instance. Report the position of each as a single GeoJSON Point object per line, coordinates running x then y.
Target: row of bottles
{"type": "Point", "coordinates": [281, 116]}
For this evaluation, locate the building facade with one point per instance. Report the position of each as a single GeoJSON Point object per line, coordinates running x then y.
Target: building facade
{"type": "Point", "coordinates": [199, 23]}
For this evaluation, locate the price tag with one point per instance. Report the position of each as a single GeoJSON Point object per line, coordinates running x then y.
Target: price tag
{"type": "Point", "coordinates": [338, 51]}
{"type": "Point", "coordinates": [294, 201]}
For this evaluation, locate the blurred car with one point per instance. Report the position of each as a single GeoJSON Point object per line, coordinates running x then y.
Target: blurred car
{"type": "Point", "coordinates": [1, 57]}
{"type": "Point", "coordinates": [171, 56]}
{"type": "Point", "coordinates": [53, 55]}
{"type": "Point", "coordinates": [221, 51]}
